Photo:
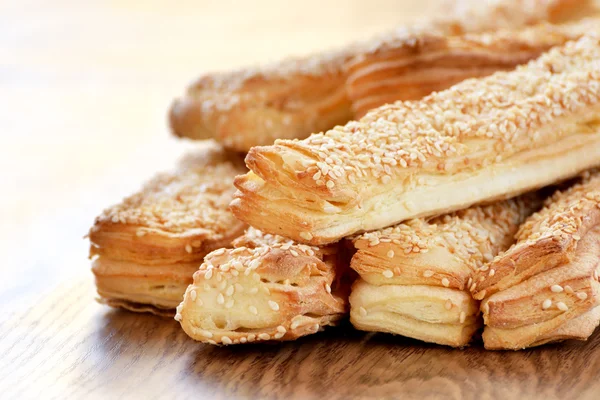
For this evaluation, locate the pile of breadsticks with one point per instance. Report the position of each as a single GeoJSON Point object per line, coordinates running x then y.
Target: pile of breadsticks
{"type": "Point", "coordinates": [451, 190]}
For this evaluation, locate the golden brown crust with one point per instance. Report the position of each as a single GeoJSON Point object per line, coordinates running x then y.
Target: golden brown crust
{"type": "Point", "coordinates": [546, 240]}
{"type": "Point", "coordinates": [265, 288]}
{"type": "Point", "coordinates": [441, 251]}
{"type": "Point", "coordinates": [481, 140]}
{"type": "Point", "coordinates": [545, 287]}
{"type": "Point", "coordinates": [295, 97]}
{"type": "Point", "coordinates": [429, 62]}
{"type": "Point", "coordinates": [146, 248]}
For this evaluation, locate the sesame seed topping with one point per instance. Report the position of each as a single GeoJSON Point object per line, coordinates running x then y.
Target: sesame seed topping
{"type": "Point", "coordinates": [547, 304]}
{"type": "Point", "coordinates": [251, 337]}
{"type": "Point", "coordinates": [243, 340]}
{"type": "Point", "coordinates": [264, 336]}
{"type": "Point", "coordinates": [188, 248]}
{"type": "Point", "coordinates": [178, 317]}
{"type": "Point", "coordinates": [281, 329]}
{"type": "Point", "coordinates": [193, 295]}
{"type": "Point", "coordinates": [390, 254]}
{"type": "Point", "coordinates": [229, 291]}
{"type": "Point", "coordinates": [556, 288]}
{"type": "Point", "coordinates": [274, 306]}
{"type": "Point", "coordinates": [253, 290]}
{"type": "Point", "coordinates": [210, 341]}
{"type": "Point", "coordinates": [445, 282]}
{"type": "Point", "coordinates": [294, 324]}
{"type": "Point", "coordinates": [205, 333]}
{"type": "Point", "coordinates": [328, 288]}
{"type": "Point", "coordinates": [569, 289]}
{"type": "Point", "coordinates": [253, 310]}
{"type": "Point", "coordinates": [362, 311]}
{"type": "Point", "coordinates": [562, 306]}
{"type": "Point", "coordinates": [278, 335]}
{"type": "Point", "coordinates": [448, 305]}
{"type": "Point", "coordinates": [582, 295]}
{"type": "Point", "coordinates": [463, 317]}
{"type": "Point", "coordinates": [229, 303]}
{"type": "Point", "coordinates": [226, 340]}
{"type": "Point", "coordinates": [208, 274]}
{"type": "Point", "coordinates": [387, 273]}
{"type": "Point", "coordinates": [220, 299]}
{"type": "Point", "coordinates": [428, 273]}
{"type": "Point", "coordinates": [306, 235]}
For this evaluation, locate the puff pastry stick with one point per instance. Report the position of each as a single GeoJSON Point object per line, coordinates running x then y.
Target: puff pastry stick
{"type": "Point", "coordinates": [481, 140]}
{"type": "Point", "coordinates": [146, 248]}
{"type": "Point", "coordinates": [415, 276]}
{"type": "Point", "coordinates": [265, 288]}
{"type": "Point", "coordinates": [541, 286]}
{"type": "Point", "coordinates": [293, 98]}
{"type": "Point", "coordinates": [424, 63]}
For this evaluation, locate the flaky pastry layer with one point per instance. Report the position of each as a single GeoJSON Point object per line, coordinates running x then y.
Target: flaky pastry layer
{"type": "Point", "coordinates": [146, 248]}
{"type": "Point", "coordinates": [441, 251]}
{"type": "Point", "coordinates": [429, 313]}
{"type": "Point", "coordinates": [429, 62]}
{"type": "Point", "coordinates": [265, 288]}
{"type": "Point", "coordinates": [481, 140]}
{"type": "Point", "coordinates": [295, 97]}
{"type": "Point", "coordinates": [545, 287]}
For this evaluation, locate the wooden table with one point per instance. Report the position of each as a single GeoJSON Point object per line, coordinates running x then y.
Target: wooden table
{"type": "Point", "coordinates": [84, 88]}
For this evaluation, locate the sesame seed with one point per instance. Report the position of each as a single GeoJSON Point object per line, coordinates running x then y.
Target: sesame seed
{"type": "Point", "coordinates": [556, 288]}
{"type": "Point", "coordinates": [315, 327]}
{"type": "Point", "coordinates": [243, 340]}
{"type": "Point", "coordinates": [387, 273]}
{"type": "Point", "coordinates": [390, 254]}
{"type": "Point", "coordinates": [274, 306]}
{"type": "Point", "coordinates": [220, 299]}
{"type": "Point", "coordinates": [226, 340]}
{"type": "Point", "coordinates": [492, 272]}
{"type": "Point", "coordinates": [199, 302]}
{"type": "Point", "coordinates": [278, 335]}
{"type": "Point", "coordinates": [229, 291]}
{"type": "Point", "coordinates": [188, 248]}
{"type": "Point", "coordinates": [294, 325]}
{"type": "Point", "coordinates": [239, 288]}
{"type": "Point", "coordinates": [294, 253]}
{"type": "Point", "coordinates": [445, 282]}
{"type": "Point", "coordinates": [328, 288]}
{"type": "Point", "coordinates": [264, 336]}
{"type": "Point", "coordinates": [569, 289]}
{"type": "Point", "coordinates": [306, 235]}
{"type": "Point", "coordinates": [251, 337]}
{"type": "Point", "coordinates": [330, 184]}
{"type": "Point", "coordinates": [562, 306]}
{"type": "Point", "coordinates": [178, 317]}
{"type": "Point", "coordinates": [362, 311]}
{"type": "Point", "coordinates": [193, 295]}
{"type": "Point", "coordinates": [486, 308]}
{"type": "Point", "coordinates": [448, 305]}
{"type": "Point", "coordinates": [582, 295]}
{"type": "Point", "coordinates": [208, 274]}
{"type": "Point", "coordinates": [204, 333]}
{"type": "Point", "coordinates": [253, 310]}
{"type": "Point", "coordinates": [218, 252]}
{"type": "Point", "coordinates": [547, 304]}
{"type": "Point", "coordinates": [229, 303]}
{"type": "Point", "coordinates": [281, 329]}
{"type": "Point", "coordinates": [140, 233]}
{"type": "Point", "coordinates": [428, 273]}
{"type": "Point", "coordinates": [211, 342]}
{"type": "Point", "coordinates": [253, 290]}
{"type": "Point", "coordinates": [463, 317]}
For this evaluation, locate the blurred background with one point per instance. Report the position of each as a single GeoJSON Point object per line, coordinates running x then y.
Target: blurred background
{"type": "Point", "coordinates": [84, 92]}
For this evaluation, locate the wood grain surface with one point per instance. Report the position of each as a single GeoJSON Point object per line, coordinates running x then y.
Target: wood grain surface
{"type": "Point", "coordinates": [84, 89]}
